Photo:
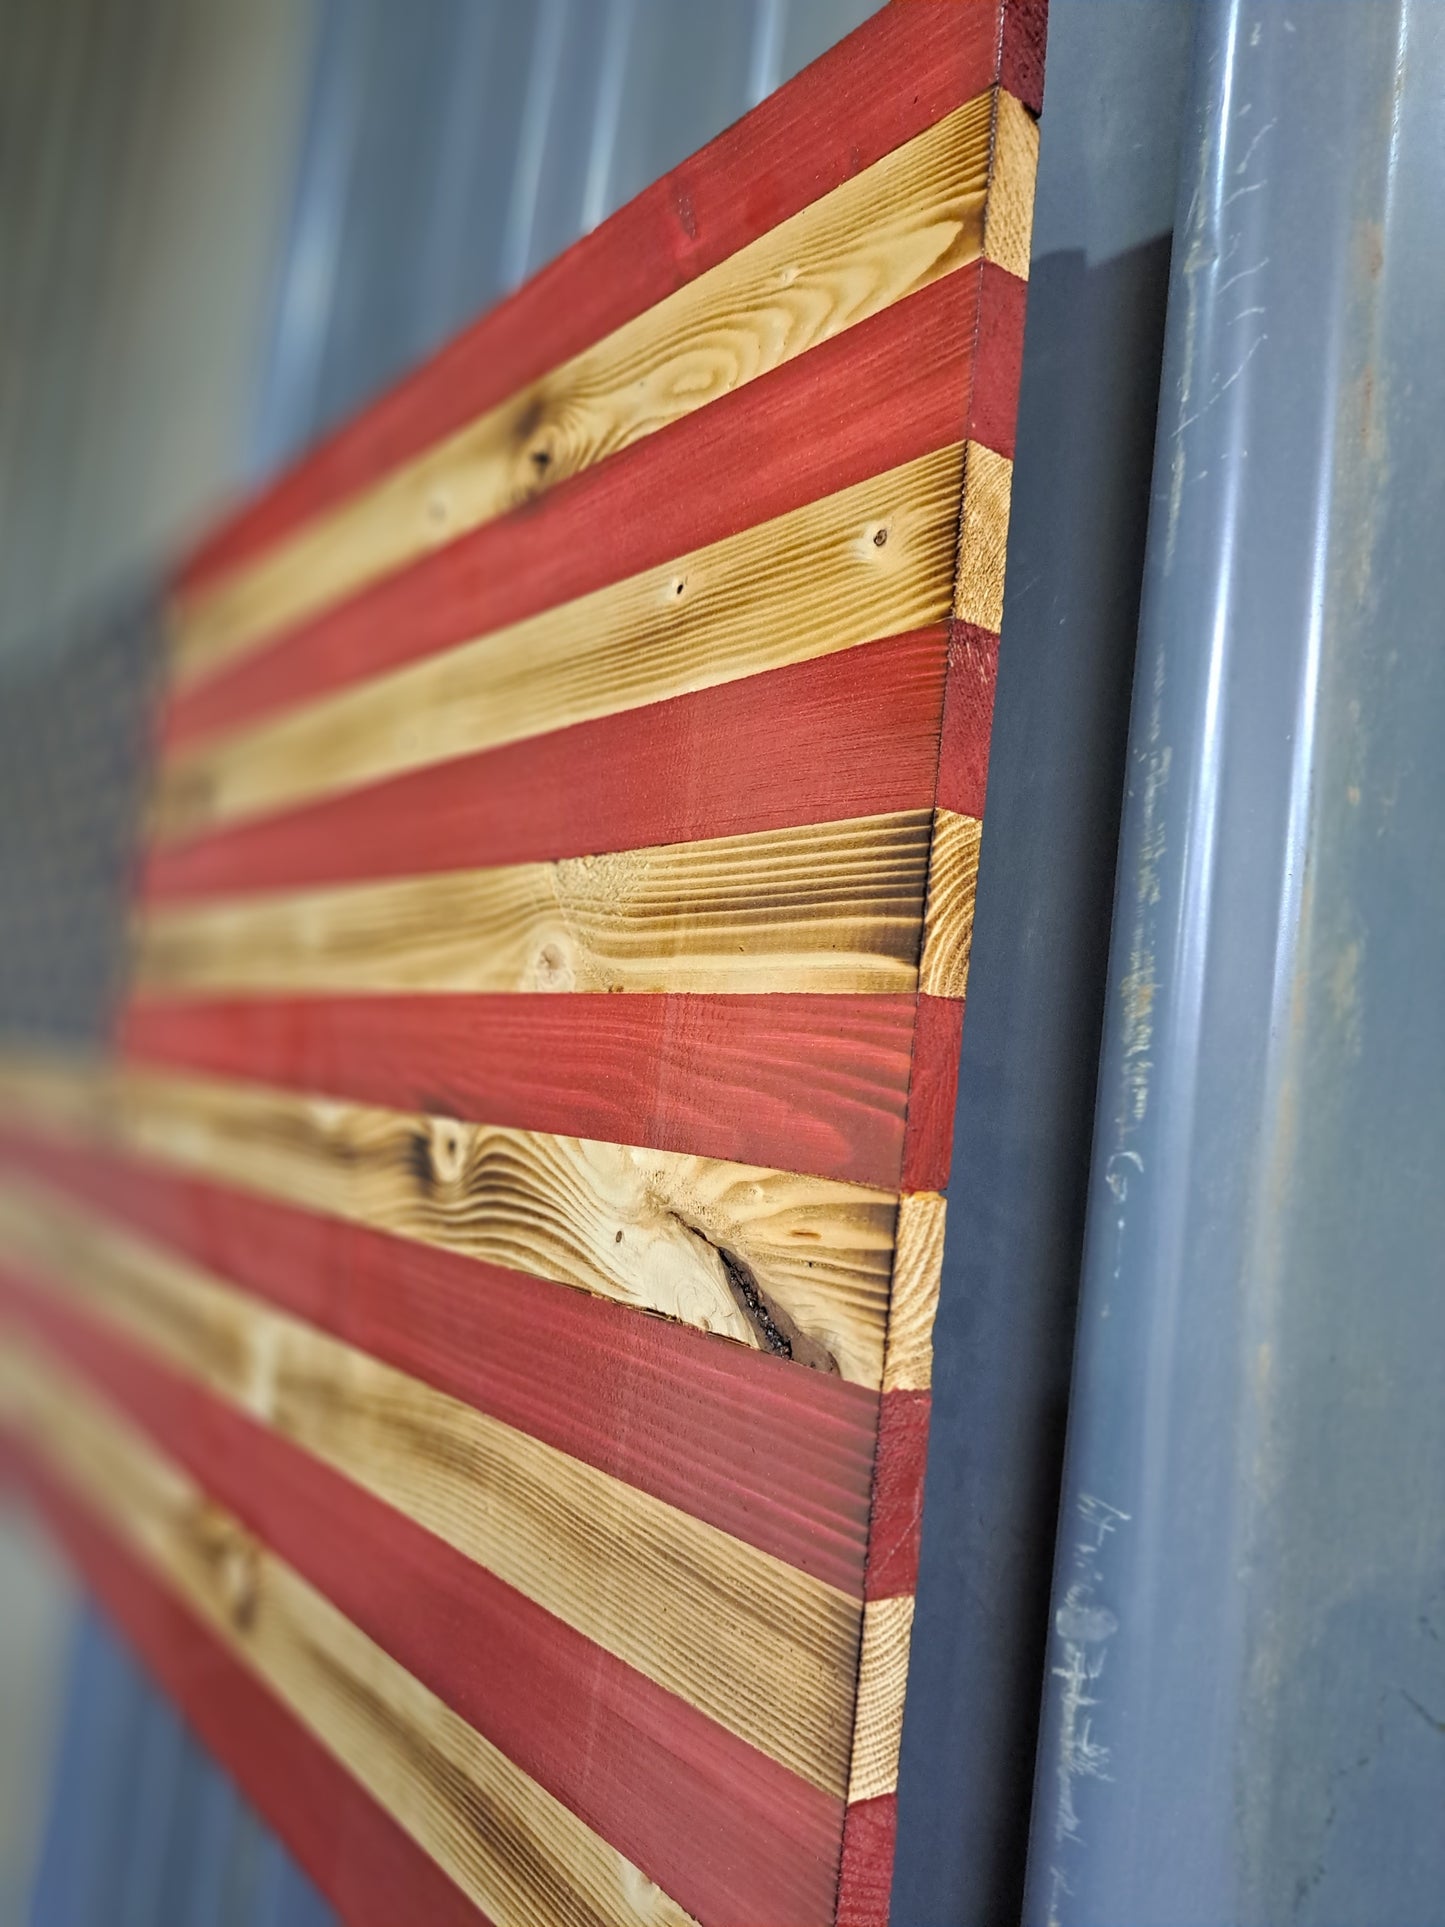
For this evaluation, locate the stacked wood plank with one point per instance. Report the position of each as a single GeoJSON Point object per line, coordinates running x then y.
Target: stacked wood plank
{"type": "Point", "coordinates": [475, 1331]}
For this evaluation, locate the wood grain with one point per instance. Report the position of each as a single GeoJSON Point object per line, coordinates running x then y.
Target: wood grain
{"type": "Point", "coordinates": [815, 1083]}
{"type": "Point", "coordinates": [870, 561]}
{"type": "Point", "coordinates": [820, 908]}
{"type": "Point", "coordinates": [932, 1093]}
{"type": "Point", "coordinates": [917, 1276]}
{"type": "Point", "coordinates": [1009, 220]}
{"type": "Point", "coordinates": [912, 217]}
{"type": "Point", "coordinates": [732, 1836]}
{"type": "Point", "coordinates": [983, 538]}
{"type": "Point", "coordinates": [948, 923]}
{"type": "Point", "coordinates": [753, 1643]}
{"type": "Point", "coordinates": [882, 1681]}
{"type": "Point", "coordinates": [929, 372]}
{"type": "Point", "coordinates": [870, 1827]}
{"type": "Point", "coordinates": [896, 75]}
{"type": "Point", "coordinates": [967, 719]}
{"type": "Point", "coordinates": [701, 1425]}
{"type": "Point", "coordinates": [899, 1468]}
{"type": "Point", "coordinates": [789, 1264]}
{"type": "Point", "coordinates": [517, 1852]}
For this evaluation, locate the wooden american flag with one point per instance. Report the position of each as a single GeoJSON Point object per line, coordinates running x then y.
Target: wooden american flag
{"type": "Point", "coordinates": [474, 1331]}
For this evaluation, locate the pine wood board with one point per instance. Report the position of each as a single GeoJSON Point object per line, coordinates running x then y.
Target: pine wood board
{"type": "Point", "coordinates": [664, 1408]}
{"type": "Point", "coordinates": [775, 1260]}
{"type": "Point", "coordinates": [828, 907]}
{"type": "Point", "coordinates": [309, 1797]}
{"type": "Point", "coordinates": [870, 561]}
{"type": "Point", "coordinates": [901, 71]}
{"type": "Point", "coordinates": [915, 215]}
{"type": "Point", "coordinates": [644, 641]}
{"type": "Point", "coordinates": [818, 1083]}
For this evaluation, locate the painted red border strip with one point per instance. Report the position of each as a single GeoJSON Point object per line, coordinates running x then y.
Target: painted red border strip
{"type": "Point", "coordinates": [967, 719]}
{"type": "Point", "coordinates": [870, 1836]}
{"type": "Point", "coordinates": [900, 72]}
{"type": "Point", "coordinates": [932, 1093]}
{"type": "Point", "coordinates": [896, 387]}
{"type": "Point", "coordinates": [697, 1421]}
{"type": "Point", "coordinates": [728, 1833]}
{"type": "Point", "coordinates": [853, 734]}
{"type": "Point", "coordinates": [895, 1535]}
{"type": "Point", "coordinates": [358, 1856]}
{"type": "Point", "coordinates": [1025, 32]}
{"type": "Point", "coordinates": [797, 1082]}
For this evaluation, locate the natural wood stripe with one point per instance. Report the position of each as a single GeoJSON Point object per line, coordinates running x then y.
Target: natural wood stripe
{"type": "Point", "coordinates": [913, 216]}
{"type": "Point", "coordinates": [948, 923]}
{"type": "Point", "coordinates": [753, 1642]}
{"type": "Point", "coordinates": [917, 1275]}
{"type": "Point", "coordinates": [824, 907]}
{"type": "Point", "coordinates": [517, 1852]}
{"type": "Point", "coordinates": [1009, 220]}
{"type": "Point", "coordinates": [774, 1260]}
{"type": "Point", "coordinates": [983, 538]}
{"type": "Point", "coordinates": [882, 1683]}
{"type": "Point", "coordinates": [874, 560]}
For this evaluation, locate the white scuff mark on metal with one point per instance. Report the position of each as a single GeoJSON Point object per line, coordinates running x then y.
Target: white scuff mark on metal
{"type": "Point", "coordinates": [1243, 166]}
{"type": "Point", "coordinates": [1083, 1626]}
{"type": "Point", "coordinates": [1140, 985]}
{"type": "Point", "coordinates": [1229, 381]}
{"type": "Point", "coordinates": [1258, 267]}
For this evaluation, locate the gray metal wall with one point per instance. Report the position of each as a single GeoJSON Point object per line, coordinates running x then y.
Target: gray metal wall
{"type": "Point", "coordinates": [1246, 1705]}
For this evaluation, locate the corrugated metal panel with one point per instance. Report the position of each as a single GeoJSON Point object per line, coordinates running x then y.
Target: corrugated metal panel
{"type": "Point", "coordinates": [1247, 1671]}
{"type": "Point", "coordinates": [454, 149]}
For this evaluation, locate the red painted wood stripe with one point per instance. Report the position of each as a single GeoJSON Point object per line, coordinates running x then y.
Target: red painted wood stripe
{"type": "Point", "coordinates": [870, 1831]}
{"type": "Point", "coordinates": [795, 1082]}
{"type": "Point", "coordinates": [372, 1871]}
{"type": "Point", "coordinates": [998, 354]}
{"type": "Point", "coordinates": [895, 387]}
{"type": "Point", "coordinates": [729, 1834]}
{"type": "Point", "coordinates": [694, 1420]}
{"type": "Point", "coordinates": [894, 1536]}
{"type": "Point", "coordinates": [853, 734]}
{"type": "Point", "coordinates": [967, 719]}
{"type": "Point", "coordinates": [932, 1093]}
{"type": "Point", "coordinates": [1025, 33]}
{"type": "Point", "coordinates": [896, 75]}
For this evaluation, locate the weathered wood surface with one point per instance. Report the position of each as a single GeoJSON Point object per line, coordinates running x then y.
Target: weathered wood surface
{"type": "Point", "coordinates": [775, 1260]}
{"type": "Point", "coordinates": [822, 907]}
{"type": "Point", "coordinates": [497, 1407]}
{"type": "Point", "coordinates": [912, 217]}
{"type": "Point", "coordinates": [902, 71]}
{"type": "Point", "coordinates": [816, 1083]}
{"type": "Point", "coordinates": [611, 1562]}
{"type": "Point", "coordinates": [728, 1833]}
{"type": "Point", "coordinates": [705, 1424]}
{"type": "Point", "coordinates": [841, 736]}
{"type": "Point", "coordinates": [869, 562]}
{"type": "Point", "coordinates": [507, 1843]}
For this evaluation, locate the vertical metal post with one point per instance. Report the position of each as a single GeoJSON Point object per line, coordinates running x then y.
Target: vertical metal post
{"type": "Point", "coordinates": [1245, 1715]}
